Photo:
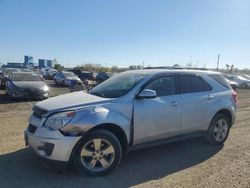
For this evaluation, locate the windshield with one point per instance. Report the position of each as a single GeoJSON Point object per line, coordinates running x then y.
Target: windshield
{"type": "Point", "coordinates": [69, 74]}
{"type": "Point", "coordinates": [8, 71]}
{"type": "Point", "coordinates": [117, 86]}
{"type": "Point", "coordinates": [25, 77]}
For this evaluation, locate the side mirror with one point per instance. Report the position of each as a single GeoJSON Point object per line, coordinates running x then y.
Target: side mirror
{"type": "Point", "coordinates": [147, 94]}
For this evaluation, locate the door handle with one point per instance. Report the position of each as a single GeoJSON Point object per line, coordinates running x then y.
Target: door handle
{"type": "Point", "coordinates": [209, 97]}
{"type": "Point", "coordinates": [174, 103]}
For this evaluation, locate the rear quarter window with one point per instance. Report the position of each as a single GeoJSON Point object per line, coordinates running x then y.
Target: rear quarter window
{"type": "Point", "coordinates": [220, 79]}
{"type": "Point", "coordinates": [193, 84]}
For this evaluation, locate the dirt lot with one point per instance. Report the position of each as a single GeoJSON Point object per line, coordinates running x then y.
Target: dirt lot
{"type": "Point", "coordinates": [190, 163]}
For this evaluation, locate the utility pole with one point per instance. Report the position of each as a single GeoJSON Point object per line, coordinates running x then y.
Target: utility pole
{"type": "Point", "coordinates": [218, 61]}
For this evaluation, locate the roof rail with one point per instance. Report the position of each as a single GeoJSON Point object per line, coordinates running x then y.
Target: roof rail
{"type": "Point", "coordinates": [176, 67]}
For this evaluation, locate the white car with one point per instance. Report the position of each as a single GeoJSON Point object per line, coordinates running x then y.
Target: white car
{"type": "Point", "coordinates": [242, 82]}
{"type": "Point", "coordinates": [65, 78]}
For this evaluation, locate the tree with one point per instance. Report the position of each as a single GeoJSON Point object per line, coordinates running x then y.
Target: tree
{"type": "Point", "coordinates": [114, 68]}
{"type": "Point", "coordinates": [231, 68]}
{"type": "Point", "coordinates": [132, 67]}
{"type": "Point", "coordinates": [58, 67]}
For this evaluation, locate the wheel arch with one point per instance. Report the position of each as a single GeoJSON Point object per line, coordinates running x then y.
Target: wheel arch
{"type": "Point", "coordinates": [117, 131]}
{"type": "Point", "coordinates": [227, 113]}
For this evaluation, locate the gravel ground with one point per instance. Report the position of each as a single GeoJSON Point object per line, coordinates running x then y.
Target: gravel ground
{"type": "Point", "coordinates": [190, 163]}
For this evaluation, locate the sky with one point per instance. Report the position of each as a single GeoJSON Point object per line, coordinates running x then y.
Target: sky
{"type": "Point", "coordinates": [128, 32]}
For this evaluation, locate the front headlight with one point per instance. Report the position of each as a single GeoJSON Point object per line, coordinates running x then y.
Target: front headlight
{"type": "Point", "coordinates": [59, 120]}
{"type": "Point", "coordinates": [45, 88]}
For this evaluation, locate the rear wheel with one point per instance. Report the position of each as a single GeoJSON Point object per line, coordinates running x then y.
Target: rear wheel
{"type": "Point", "coordinates": [98, 154]}
{"type": "Point", "coordinates": [218, 130]}
{"type": "Point", "coordinates": [244, 85]}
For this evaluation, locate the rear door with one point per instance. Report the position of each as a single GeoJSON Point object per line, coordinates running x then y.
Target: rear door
{"type": "Point", "coordinates": [197, 98]}
{"type": "Point", "coordinates": [157, 118]}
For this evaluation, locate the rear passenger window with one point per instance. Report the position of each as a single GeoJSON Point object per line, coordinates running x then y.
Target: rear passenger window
{"type": "Point", "coordinates": [221, 80]}
{"type": "Point", "coordinates": [163, 86]}
{"type": "Point", "coordinates": [193, 84]}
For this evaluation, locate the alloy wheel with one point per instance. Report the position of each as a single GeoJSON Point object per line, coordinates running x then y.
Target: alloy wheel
{"type": "Point", "coordinates": [220, 130]}
{"type": "Point", "coordinates": [97, 154]}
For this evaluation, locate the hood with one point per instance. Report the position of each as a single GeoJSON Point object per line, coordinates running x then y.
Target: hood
{"type": "Point", "coordinates": [29, 84]}
{"type": "Point", "coordinates": [70, 100]}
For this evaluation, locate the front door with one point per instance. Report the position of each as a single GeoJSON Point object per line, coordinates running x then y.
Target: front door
{"type": "Point", "coordinates": [160, 117]}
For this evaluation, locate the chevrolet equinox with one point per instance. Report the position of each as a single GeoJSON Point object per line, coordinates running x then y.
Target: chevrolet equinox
{"type": "Point", "coordinates": [131, 110]}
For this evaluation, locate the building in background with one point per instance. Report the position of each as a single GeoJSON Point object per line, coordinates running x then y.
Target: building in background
{"type": "Point", "coordinates": [45, 63]}
{"type": "Point", "coordinates": [13, 65]}
{"type": "Point", "coordinates": [28, 61]}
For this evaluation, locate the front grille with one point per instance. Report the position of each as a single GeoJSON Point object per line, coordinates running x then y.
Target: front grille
{"type": "Point", "coordinates": [32, 128]}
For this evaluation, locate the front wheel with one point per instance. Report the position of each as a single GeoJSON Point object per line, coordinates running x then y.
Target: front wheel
{"type": "Point", "coordinates": [98, 154]}
{"type": "Point", "coordinates": [218, 130]}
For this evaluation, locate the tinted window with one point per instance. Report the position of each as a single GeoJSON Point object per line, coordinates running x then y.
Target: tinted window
{"type": "Point", "coordinates": [193, 84]}
{"type": "Point", "coordinates": [220, 80]}
{"type": "Point", "coordinates": [163, 86]}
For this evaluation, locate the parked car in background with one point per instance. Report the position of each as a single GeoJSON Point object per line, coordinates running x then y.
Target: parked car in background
{"type": "Point", "coordinates": [241, 81]}
{"type": "Point", "coordinates": [102, 76]}
{"type": "Point", "coordinates": [26, 85]}
{"type": "Point", "coordinates": [132, 110]}
{"type": "Point", "coordinates": [246, 76]}
{"type": "Point", "coordinates": [48, 74]}
{"type": "Point", "coordinates": [1, 77]}
{"type": "Point", "coordinates": [65, 78]}
{"type": "Point", "coordinates": [76, 71]}
{"type": "Point", "coordinates": [6, 72]}
{"type": "Point", "coordinates": [233, 84]}
{"type": "Point", "coordinates": [83, 75]}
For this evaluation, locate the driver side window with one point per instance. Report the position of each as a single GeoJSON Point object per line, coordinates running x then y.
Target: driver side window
{"type": "Point", "coordinates": [163, 86]}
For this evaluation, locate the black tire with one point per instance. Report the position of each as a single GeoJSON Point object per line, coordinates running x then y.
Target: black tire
{"type": "Point", "coordinates": [98, 134]}
{"type": "Point", "coordinates": [6, 92]}
{"type": "Point", "coordinates": [11, 98]}
{"type": "Point", "coordinates": [244, 86]}
{"type": "Point", "coordinates": [211, 133]}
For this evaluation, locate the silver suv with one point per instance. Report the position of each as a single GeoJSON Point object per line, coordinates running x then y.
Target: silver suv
{"type": "Point", "coordinates": [131, 110]}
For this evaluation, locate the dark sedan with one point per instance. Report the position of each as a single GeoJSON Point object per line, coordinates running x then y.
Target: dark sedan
{"type": "Point", "coordinates": [26, 85]}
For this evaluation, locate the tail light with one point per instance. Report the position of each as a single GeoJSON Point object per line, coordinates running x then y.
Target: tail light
{"type": "Point", "coordinates": [235, 96]}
